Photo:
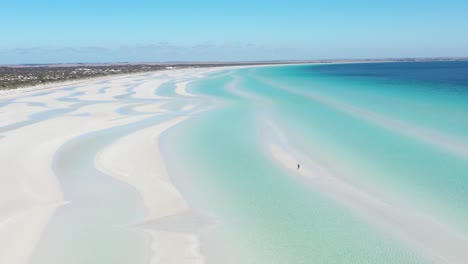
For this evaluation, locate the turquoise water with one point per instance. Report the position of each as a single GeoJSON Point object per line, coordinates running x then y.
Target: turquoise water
{"type": "Point", "coordinates": [395, 131]}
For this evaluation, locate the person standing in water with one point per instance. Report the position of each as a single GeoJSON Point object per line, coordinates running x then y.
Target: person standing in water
{"type": "Point", "coordinates": [298, 166]}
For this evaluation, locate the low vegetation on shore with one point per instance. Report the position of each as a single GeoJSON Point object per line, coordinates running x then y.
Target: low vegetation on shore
{"type": "Point", "coordinates": [30, 75]}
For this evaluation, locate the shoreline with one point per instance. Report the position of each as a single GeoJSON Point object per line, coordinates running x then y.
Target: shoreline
{"type": "Point", "coordinates": [50, 85]}
{"type": "Point", "coordinates": [117, 75]}
{"type": "Point", "coordinates": [103, 116]}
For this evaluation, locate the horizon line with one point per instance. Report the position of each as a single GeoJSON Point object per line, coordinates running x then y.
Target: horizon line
{"type": "Point", "coordinates": [383, 59]}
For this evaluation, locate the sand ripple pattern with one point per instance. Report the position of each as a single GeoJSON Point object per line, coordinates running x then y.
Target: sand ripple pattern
{"type": "Point", "coordinates": [83, 180]}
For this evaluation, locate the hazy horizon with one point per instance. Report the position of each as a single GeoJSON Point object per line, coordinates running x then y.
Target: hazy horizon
{"type": "Point", "coordinates": [144, 31]}
{"type": "Point", "coordinates": [221, 62]}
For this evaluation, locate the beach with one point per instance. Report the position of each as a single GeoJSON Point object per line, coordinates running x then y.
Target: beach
{"type": "Point", "coordinates": [338, 163]}
{"type": "Point", "coordinates": [41, 123]}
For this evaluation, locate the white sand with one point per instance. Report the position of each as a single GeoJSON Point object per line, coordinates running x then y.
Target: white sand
{"type": "Point", "coordinates": [181, 88]}
{"type": "Point", "coordinates": [18, 112]}
{"type": "Point", "coordinates": [51, 99]}
{"type": "Point", "coordinates": [136, 160]}
{"type": "Point", "coordinates": [91, 93]}
{"type": "Point", "coordinates": [146, 90]}
{"type": "Point", "coordinates": [30, 191]}
{"type": "Point", "coordinates": [188, 107]}
{"type": "Point", "coordinates": [151, 108]}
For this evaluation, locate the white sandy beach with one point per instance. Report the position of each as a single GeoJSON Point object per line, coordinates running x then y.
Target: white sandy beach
{"type": "Point", "coordinates": [30, 189]}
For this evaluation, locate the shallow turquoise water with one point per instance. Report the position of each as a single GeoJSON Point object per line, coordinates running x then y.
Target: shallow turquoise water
{"type": "Point", "coordinates": [266, 215]}
{"type": "Point", "coordinates": [166, 89]}
{"type": "Point", "coordinates": [431, 177]}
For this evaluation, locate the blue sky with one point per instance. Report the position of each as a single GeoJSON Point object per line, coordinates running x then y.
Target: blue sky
{"type": "Point", "coordinates": [35, 31]}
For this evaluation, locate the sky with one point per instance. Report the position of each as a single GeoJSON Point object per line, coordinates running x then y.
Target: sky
{"type": "Point", "coordinates": [68, 31]}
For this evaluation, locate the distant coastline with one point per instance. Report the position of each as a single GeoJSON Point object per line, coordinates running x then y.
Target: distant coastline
{"type": "Point", "coordinates": [27, 75]}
